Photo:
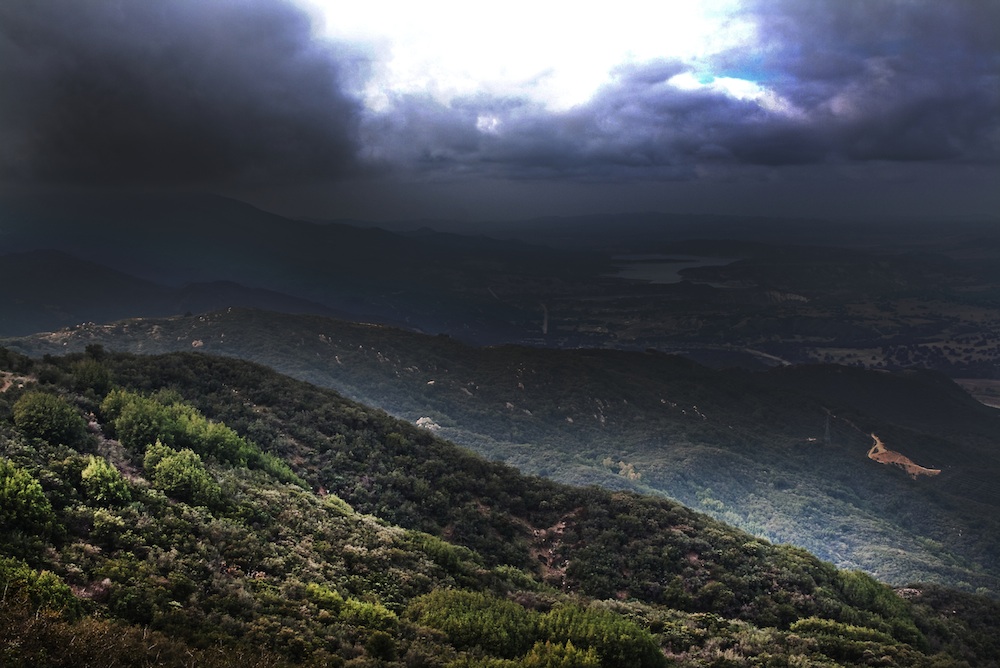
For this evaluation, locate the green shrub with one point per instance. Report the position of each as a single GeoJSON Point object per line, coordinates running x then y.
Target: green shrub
{"type": "Point", "coordinates": [381, 645]}
{"type": "Point", "coordinates": [455, 559]}
{"type": "Point", "coordinates": [104, 484]}
{"type": "Point", "coordinates": [23, 504]}
{"type": "Point", "coordinates": [181, 474]}
{"type": "Point", "coordinates": [41, 590]}
{"type": "Point", "coordinates": [50, 418]}
{"type": "Point", "coordinates": [876, 602]}
{"type": "Point", "coordinates": [474, 619]}
{"type": "Point", "coordinates": [324, 597]}
{"type": "Point", "coordinates": [90, 374]}
{"type": "Point", "coordinates": [619, 642]}
{"type": "Point", "coordinates": [139, 421]}
{"type": "Point", "coordinates": [816, 626]}
{"type": "Point", "coordinates": [559, 655]}
{"type": "Point", "coordinates": [368, 615]}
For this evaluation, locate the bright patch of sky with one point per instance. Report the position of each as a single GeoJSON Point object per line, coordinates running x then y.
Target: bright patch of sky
{"type": "Point", "coordinates": [552, 52]}
{"type": "Point", "coordinates": [740, 89]}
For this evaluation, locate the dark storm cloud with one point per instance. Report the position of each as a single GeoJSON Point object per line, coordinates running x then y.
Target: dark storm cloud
{"type": "Point", "coordinates": [893, 80]}
{"type": "Point", "coordinates": [170, 92]}
{"type": "Point", "coordinates": [849, 82]}
{"type": "Point", "coordinates": [237, 94]}
{"type": "Point", "coordinates": [639, 126]}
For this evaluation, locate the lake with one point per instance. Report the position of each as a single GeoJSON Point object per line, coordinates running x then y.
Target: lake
{"type": "Point", "coordinates": [662, 269]}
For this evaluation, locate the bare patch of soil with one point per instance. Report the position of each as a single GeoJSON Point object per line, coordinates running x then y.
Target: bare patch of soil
{"type": "Point", "coordinates": [9, 380]}
{"type": "Point", "coordinates": [546, 547]}
{"type": "Point", "coordinates": [883, 455]}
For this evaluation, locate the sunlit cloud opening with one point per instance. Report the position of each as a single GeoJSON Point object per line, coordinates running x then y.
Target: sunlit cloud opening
{"type": "Point", "coordinates": [488, 124]}
{"type": "Point", "coordinates": [739, 89]}
{"type": "Point", "coordinates": [556, 53]}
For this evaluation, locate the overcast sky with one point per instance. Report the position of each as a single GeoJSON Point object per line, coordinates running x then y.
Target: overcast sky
{"type": "Point", "coordinates": [819, 108]}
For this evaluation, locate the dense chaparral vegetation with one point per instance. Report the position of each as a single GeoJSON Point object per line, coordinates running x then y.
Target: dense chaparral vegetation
{"type": "Point", "coordinates": [193, 510]}
{"type": "Point", "coordinates": [780, 453]}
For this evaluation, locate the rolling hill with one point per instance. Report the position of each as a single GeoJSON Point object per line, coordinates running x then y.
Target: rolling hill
{"type": "Point", "coordinates": [781, 453]}
{"type": "Point", "coordinates": [430, 281]}
{"type": "Point", "coordinates": [45, 290]}
{"type": "Point", "coordinates": [721, 290]}
{"type": "Point", "coordinates": [193, 510]}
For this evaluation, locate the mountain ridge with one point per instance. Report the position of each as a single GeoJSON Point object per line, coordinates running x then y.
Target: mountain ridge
{"type": "Point", "coordinates": [434, 283]}
{"type": "Point", "coordinates": [48, 289]}
{"type": "Point", "coordinates": [782, 454]}
{"type": "Point", "coordinates": [651, 580]}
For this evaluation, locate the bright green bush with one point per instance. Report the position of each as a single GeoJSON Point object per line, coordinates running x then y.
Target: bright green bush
{"type": "Point", "coordinates": [324, 597]}
{"type": "Point", "coordinates": [559, 655]}
{"type": "Point", "coordinates": [23, 504]}
{"type": "Point", "coordinates": [817, 626]}
{"type": "Point", "coordinates": [104, 484]}
{"type": "Point", "coordinates": [139, 421]}
{"type": "Point", "coordinates": [368, 615]}
{"type": "Point", "coordinates": [867, 595]}
{"type": "Point", "coordinates": [181, 474]}
{"type": "Point", "coordinates": [475, 619]}
{"type": "Point", "coordinates": [41, 590]}
{"type": "Point", "coordinates": [50, 418]}
{"type": "Point", "coordinates": [620, 643]}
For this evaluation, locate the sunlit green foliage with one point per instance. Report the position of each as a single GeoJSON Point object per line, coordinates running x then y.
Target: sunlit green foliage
{"type": "Point", "coordinates": [50, 418]}
{"type": "Point", "coordinates": [42, 591]}
{"type": "Point", "coordinates": [23, 504]}
{"type": "Point", "coordinates": [103, 483]}
{"type": "Point", "coordinates": [543, 655]}
{"type": "Point", "coordinates": [888, 611]}
{"type": "Point", "coordinates": [139, 421]}
{"type": "Point", "coordinates": [454, 559]}
{"type": "Point", "coordinates": [569, 633]}
{"type": "Point", "coordinates": [477, 620]}
{"type": "Point", "coordinates": [815, 626]}
{"type": "Point", "coordinates": [618, 642]}
{"type": "Point", "coordinates": [560, 655]}
{"type": "Point", "coordinates": [324, 597]}
{"type": "Point", "coordinates": [181, 474]}
{"type": "Point", "coordinates": [368, 615]}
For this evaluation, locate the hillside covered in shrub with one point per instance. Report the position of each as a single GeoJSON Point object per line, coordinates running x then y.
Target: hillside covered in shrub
{"type": "Point", "coordinates": [193, 510]}
{"type": "Point", "coordinates": [780, 453]}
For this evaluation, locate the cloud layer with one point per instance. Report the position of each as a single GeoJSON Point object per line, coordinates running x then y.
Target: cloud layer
{"type": "Point", "coordinates": [236, 93]}
{"type": "Point", "coordinates": [823, 83]}
{"type": "Point", "coordinates": [172, 92]}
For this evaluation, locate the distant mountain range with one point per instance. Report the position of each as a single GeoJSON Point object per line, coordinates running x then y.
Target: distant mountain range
{"type": "Point", "coordinates": [47, 290]}
{"type": "Point", "coordinates": [721, 290]}
{"type": "Point", "coordinates": [430, 281]}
